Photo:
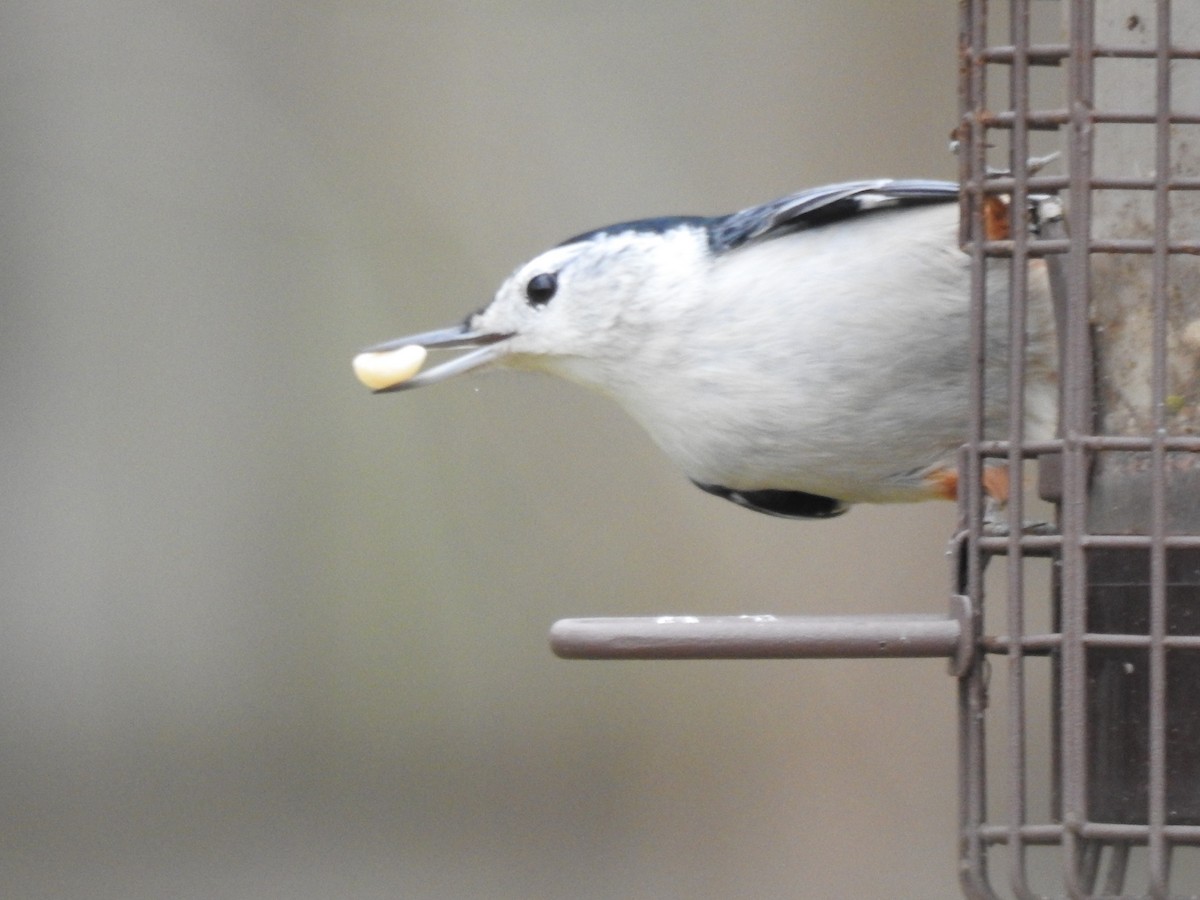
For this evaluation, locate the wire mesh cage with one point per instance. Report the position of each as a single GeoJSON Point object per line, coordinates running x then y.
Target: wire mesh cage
{"type": "Point", "coordinates": [1080, 721]}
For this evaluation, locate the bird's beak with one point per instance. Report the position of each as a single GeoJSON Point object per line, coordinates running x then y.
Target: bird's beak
{"type": "Point", "coordinates": [394, 365]}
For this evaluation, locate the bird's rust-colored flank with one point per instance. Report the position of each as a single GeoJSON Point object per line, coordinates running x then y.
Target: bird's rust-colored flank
{"type": "Point", "coordinates": [996, 224]}
{"type": "Point", "coordinates": [944, 483]}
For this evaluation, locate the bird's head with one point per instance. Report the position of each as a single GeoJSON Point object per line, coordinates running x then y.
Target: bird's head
{"type": "Point", "coordinates": [580, 310]}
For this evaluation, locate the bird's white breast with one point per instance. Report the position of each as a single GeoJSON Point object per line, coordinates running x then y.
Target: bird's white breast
{"type": "Point", "coordinates": [833, 360]}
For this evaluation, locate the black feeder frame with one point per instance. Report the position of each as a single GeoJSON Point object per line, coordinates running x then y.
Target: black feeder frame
{"type": "Point", "coordinates": [1075, 645]}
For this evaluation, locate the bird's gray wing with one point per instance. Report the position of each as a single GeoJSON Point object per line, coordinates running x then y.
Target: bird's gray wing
{"type": "Point", "coordinates": [821, 205]}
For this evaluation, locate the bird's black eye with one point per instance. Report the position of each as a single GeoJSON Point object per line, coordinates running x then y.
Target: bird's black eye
{"type": "Point", "coordinates": [541, 288]}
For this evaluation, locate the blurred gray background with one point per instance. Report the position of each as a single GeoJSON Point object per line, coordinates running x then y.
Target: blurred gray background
{"type": "Point", "coordinates": [265, 635]}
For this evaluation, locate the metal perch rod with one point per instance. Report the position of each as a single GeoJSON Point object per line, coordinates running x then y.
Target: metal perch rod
{"type": "Point", "coordinates": [762, 637]}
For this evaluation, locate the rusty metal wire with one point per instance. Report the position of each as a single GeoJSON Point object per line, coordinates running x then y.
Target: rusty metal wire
{"type": "Point", "coordinates": [1106, 804]}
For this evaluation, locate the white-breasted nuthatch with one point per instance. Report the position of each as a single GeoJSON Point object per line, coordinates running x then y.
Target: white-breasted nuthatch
{"type": "Point", "coordinates": [794, 358]}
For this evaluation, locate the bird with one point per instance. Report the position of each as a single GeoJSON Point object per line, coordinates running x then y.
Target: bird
{"type": "Point", "coordinates": [795, 358]}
